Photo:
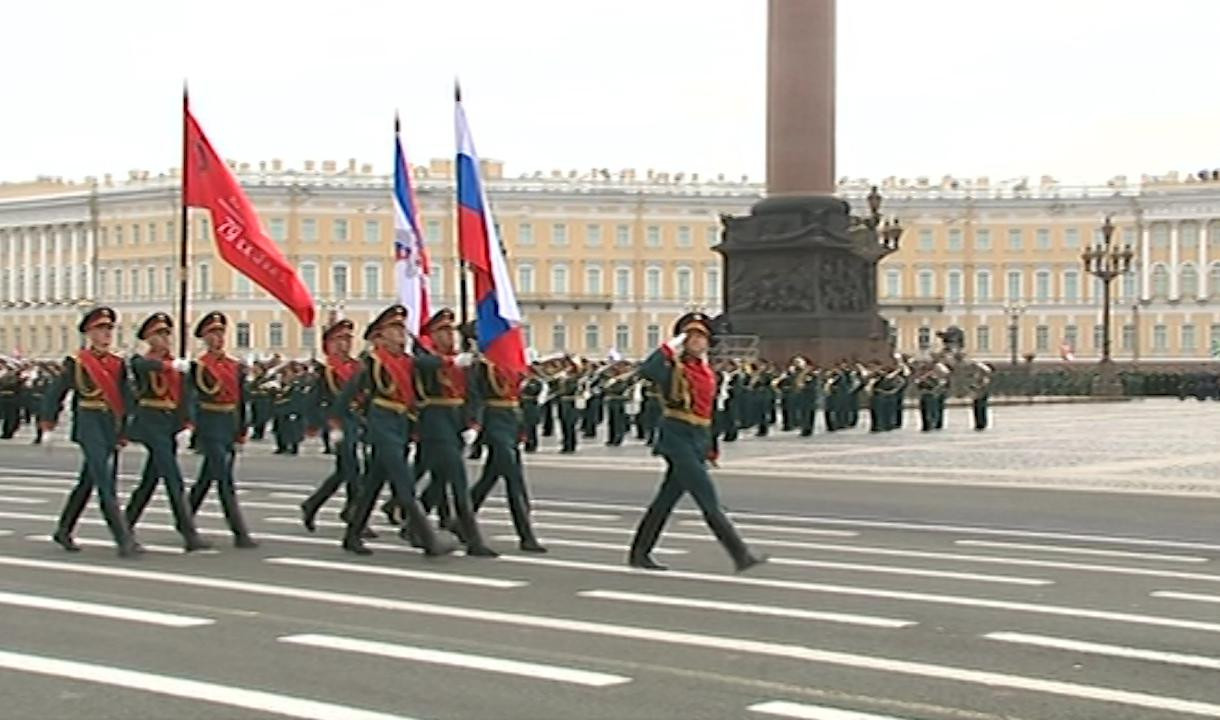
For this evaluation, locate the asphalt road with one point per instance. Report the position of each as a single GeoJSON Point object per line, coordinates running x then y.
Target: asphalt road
{"type": "Point", "coordinates": [1056, 566]}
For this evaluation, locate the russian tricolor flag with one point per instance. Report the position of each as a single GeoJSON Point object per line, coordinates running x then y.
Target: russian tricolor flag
{"type": "Point", "coordinates": [410, 256]}
{"type": "Point", "coordinates": [497, 312]}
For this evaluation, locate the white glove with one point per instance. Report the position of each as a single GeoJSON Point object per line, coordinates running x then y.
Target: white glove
{"type": "Point", "coordinates": [469, 435]}
{"type": "Point", "coordinates": [336, 437]}
{"type": "Point", "coordinates": [675, 343]}
{"type": "Point", "coordinates": [181, 364]}
{"type": "Point", "coordinates": [463, 360]}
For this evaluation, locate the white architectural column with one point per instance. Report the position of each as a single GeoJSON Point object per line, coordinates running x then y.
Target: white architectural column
{"type": "Point", "coordinates": [90, 280]}
{"type": "Point", "coordinates": [1175, 264]}
{"type": "Point", "coordinates": [1204, 270]}
{"type": "Point", "coordinates": [74, 238]}
{"type": "Point", "coordinates": [61, 292]}
{"type": "Point", "coordinates": [10, 262]}
{"type": "Point", "coordinates": [27, 284]}
{"type": "Point", "coordinates": [1146, 264]}
{"type": "Point", "coordinates": [44, 243]}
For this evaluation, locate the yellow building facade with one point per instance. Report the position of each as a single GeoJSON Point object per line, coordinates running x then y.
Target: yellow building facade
{"type": "Point", "coordinates": [606, 261]}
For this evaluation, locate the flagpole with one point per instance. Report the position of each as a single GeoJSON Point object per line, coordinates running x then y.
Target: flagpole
{"type": "Point", "coordinates": [183, 246]}
{"type": "Point", "coordinates": [463, 288]}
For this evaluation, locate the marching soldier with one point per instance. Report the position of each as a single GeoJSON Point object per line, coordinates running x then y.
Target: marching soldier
{"type": "Point", "coordinates": [533, 395]}
{"type": "Point", "coordinates": [286, 409]}
{"type": "Point", "coordinates": [567, 391]}
{"type": "Point", "coordinates": [216, 384]}
{"type": "Point", "coordinates": [339, 369]}
{"type": "Point", "coordinates": [100, 398]}
{"type": "Point", "coordinates": [681, 369]}
{"type": "Point", "coordinates": [617, 389]}
{"type": "Point", "coordinates": [260, 401]}
{"type": "Point", "coordinates": [158, 418]}
{"type": "Point", "coordinates": [650, 413]}
{"type": "Point", "coordinates": [441, 383]}
{"type": "Point", "coordinates": [35, 392]}
{"type": "Point", "coordinates": [980, 390]}
{"type": "Point", "coordinates": [385, 389]}
{"type": "Point", "coordinates": [495, 390]}
{"type": "Point", "coordinates": [10, 401]}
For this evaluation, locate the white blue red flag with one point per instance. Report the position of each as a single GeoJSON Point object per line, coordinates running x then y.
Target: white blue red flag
{"type": "Point", "coordinates": [496, 310]}
{"type": "Point", "coordinates": [410, 257]}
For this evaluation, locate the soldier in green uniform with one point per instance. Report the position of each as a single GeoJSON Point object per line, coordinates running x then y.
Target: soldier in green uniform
{"type": "Point", "coordinates": [286, 410]}
{"type": "Point", "coordinates": [35, 394]}
{"type": "Point", "coordinates": [260, 401]}
{"type": "Point", "coordinates": [216, 385]}
{"type": "Point", "coordinates": [567, 392]}
{"type": "Point", "coordinates": [340, 367]}
{"type": "Point", "coordinates": [100, 399]}
{"type": "Point", "coordinates": [159, 416]}
{"type": "Point", "coordinates": [10, 402]}
{"type": "Point", "coordinates": [764, 388]}
{"type": "Point", "coordinates": [495, 393]}
{"type": "Point", "coordinates": [650, 412]}
{"type": "Point", "coordinates": [444, 424]}
{"type": "Point", "coordinates": [533, 392]}
{"type": "Point", "coordinates": [619, 384]}
{"type": "Point", "coordinates": [681, 369]}
{"type": "Point", "coordinates": [384, 389]}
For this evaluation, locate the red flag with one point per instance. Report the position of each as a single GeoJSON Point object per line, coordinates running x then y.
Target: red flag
{"type": "Point", "coordinates": [208, 183]}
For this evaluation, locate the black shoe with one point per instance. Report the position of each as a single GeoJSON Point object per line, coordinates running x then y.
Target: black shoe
{"type": "Point", "coordinates": [356, 547]}
{"type": "Point", "coordinates": [194, 542]}
{"type": "Point", "coordinates": [750, 561]}
{"type": "Point", "coordinates": [65, 541]}
{"type": "Point", "coordinates": [279, 451]}
{"type": "Point", "coordinates": [532, 546]}
{"type": "Point", "coordinates": [481, 551]}
{"type": "Point", "coordinates": [368, 534]}
{"type": "Point", "coordinates": [130, 549]}
{"type": "Point", "coordinates": [405, 534]}
{"type": "Point", "coordinates": [244, 542]}
{"type": "Point", "coordinates": [645, 562]}
{"type": "Point", "coordinates": [307, 518]}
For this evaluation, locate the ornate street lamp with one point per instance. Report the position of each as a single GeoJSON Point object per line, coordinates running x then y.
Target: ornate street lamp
{"type": "Point", "coordinates": [1106, 261]}
{"type": "Point", "coordinates": [1014, 311]}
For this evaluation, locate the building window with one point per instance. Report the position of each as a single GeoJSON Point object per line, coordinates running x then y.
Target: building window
{"type": "Point", "coordinates": [955, 240]}
{"type": "Point", "coordinates": [309, 338]}
{"type": "Point", "coordinates": [982, 286]}
{"type": "Point", "coordinates": [118, 283]}
{"type": "Point", "coordinates": [151, 274]}
{"type": "Point", "coordinates": [101, 240]}
{"type": "Point", "coordinates": [243, 335]}
{"type": "Point", "coordinates": [684, 237]}
{"type": "Point", "coordinates": [982, 239]}
{"type": "Point", "coordinates": [525, 278]}
{"type": "Point", "coordinates": [309, 230]}
{"type": "Point", "coordinates": [559, 337]}
{"type": "Point", "coordinates": [206, 225]}
{"type": "Point", "coordinates": [1128, 285]}
{"type": "Point", "coordinates": [893, 283]}
{"type": "Point", "coordinates": [4, 338]}
{"type": "Point", "coordinates": [1071, 238]}
{"type": "Point", "coordinates": [1042, 239]}
{"type": "Point", "coordinates": [652, 284]}
{"type": "Point", "coordinates": [1188, 338]}
{"type": "Point", "coordinates": [338, 230]}
{"type": "Point", "coordinates": [1014, 285]}
{"type": "Point", "coordinates": [118, 236]}
{"type": "Point", "coordinates": [652, 337]}
{"type": "Point", "coordinates": [559, 235]}
{"type": "Point", "coordinates": [713, 236]}
{"type": "Point", "coordinates": [527, 335]}
{"type": "Point", "coordinates": [622, 283]}
{"type": "Point", "coordinates": [927, 243]}
{"type": "Point", "coordinates": [712, 281]}
{"type": "Point", "coordinates": [593, 280]}
{"type": "Point", "coordinates": [925, 338]}
{"type": "Point", "coordinates": [622, 236]}
{"type": "Point", "coordinates": [559, 280]}
{"type": "Point", "coordinates": [982, 338]}
{"type": "Point", "coordinates": [525, 233]}
{"type": "Point", "coordinates": [953, 287]}
{"type": "Point", "coordinates": [926, 283]}
{"type": "Point", "coordinates": [1188, 235]}
{"type": "Point", "coordinates": [652, 236]}
{"type": "Point", "coordinates": [683, 278]}
{"type": "Point", "coordinates": [1160, 338]}
{"type": "Point", "coordinates": [436, 282]}
{"type": "Point", "coordinates": [593, 236]}
{"type": "Point", "coordinates": [1098, 336]}
{"type": "Point", "coordinates": [1160, 281]}
{"type": "Point", "coordinates": [622, 338]}
{"type": "Point", "coordinates": [277, 229]}
{"type": "Point", "coordinates": [135, 237]}
{"type": "Point", "coordinates": [1213, 280]}
{"type": "Point", "coordinates": [372, 281]}
{"type": "Point", "coordinates": [275, 335]}
{"type": "Point", "coordinates": [1160, 235]}
{"type": "Point", "coordinates": [1042, 286]}
{"type": "Point", "coordinates": [338, 281]}
{"type": "Point", "coordinates": [1070, 337]}
{"type": "Point", "coordinates": [135, 282]}
{"type": "Point", "coordinates": [1071, 286]}
{"type": "Point", "coordinates": [169, 273]}
{"type": "Point", "coordinates": [432, 232]}
{"type": "Point", "coordinates": [242, 286]}
{"type": "Point", "coordinates": [17, 338]}
{"type": "Point", "coordinates": [1016, 239]}
{"type": "Point", "coordinates": [372, 231]}
{"type": "Point", "coordinates": [1189, 282]}
{"type": "Point", "coordinates": [205, 279]}
{"type": "Point", "coordinates": [593, 338]}
{"type": "Point", "coordinates": [1042, 338]}
{"type": "Point", "coordinates": [309, 276]}
{"type": "Point", "coordinates": [1128, 338]}
{"type": "Point", "coordinates": [1214, 343]}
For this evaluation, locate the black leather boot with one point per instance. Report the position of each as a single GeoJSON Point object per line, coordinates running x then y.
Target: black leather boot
{"type": "Point", "coordinates": [423, 534]}
{"type": "Point", "coordinates": [127, 546]}
{"type": "Point", "coordinates": [521, 521]}
{"type": "Point", "coordinates": [646, 534]}
{"type": "Point", "coordinates": [724, 531]}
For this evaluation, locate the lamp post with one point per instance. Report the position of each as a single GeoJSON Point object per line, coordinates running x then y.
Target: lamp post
{"type": "Point", "coordinates": [1106, 261]}
{"type": "Point", "coordinates": [1014, 311]}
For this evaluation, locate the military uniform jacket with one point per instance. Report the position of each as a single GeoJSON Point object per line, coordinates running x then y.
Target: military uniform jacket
{"type": "Point", "coordinates": [495, 399]}
{"type": "Point", "coordinates": [99, 411]}
{"type": "Point", "coordinates": [689, 389]}
{"type": "Point", "coordinates": [333, 378]}
{"type": "Point", "coordinates": [383, 391]}
{"type": "Point", "coordinates": [441, 391]}
{"type": "Point", "coordinates": [216, 386]}
{"type": "Point", "coordinates": [160, 410]}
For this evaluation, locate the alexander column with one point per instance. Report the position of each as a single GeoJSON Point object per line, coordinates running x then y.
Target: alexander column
{"type": "Point", "coordinates": [800, 270]}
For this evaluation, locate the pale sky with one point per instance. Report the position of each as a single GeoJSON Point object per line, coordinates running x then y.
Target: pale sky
{"type": "Point", "coordinates": [1079, 89]}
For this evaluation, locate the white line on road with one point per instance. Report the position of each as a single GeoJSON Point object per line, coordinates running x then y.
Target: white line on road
{"type": "Point", "coordinates": [1171, 658]}
{"type": "Point", "coordinates": [914, 572]}
{"type": "Point", "coordinates": [557, 542]}
{"type": "Point", "coordinates": [799, 711]}
{"type": "Point", "coordinates": [367, 569]}
{"type": "Point", "coordinates": [595, 517]}
{"type": "Point", "coordinates": [256, 700]}
{"type": "Point", "coordinates": [957, 600]}
{"type": "Point", "coordinates": [152, 548]}
{"type": "Point", "coordinates": [1192, 597]}
{"type": "Point", "coordinates": [780, 528]}
{"type": "Point", "coordinates": [535, 671]}
{"type": "Point", "coordinates": [746, 608]}
{"type": "Point", "coordinates": [111, 612]}
{"type": "Point", "coordinates": [788, 651]}
{"type": "Point", "coordinates": [21, 500]}
{"type": "Point", "coordinates": [1081, 551]}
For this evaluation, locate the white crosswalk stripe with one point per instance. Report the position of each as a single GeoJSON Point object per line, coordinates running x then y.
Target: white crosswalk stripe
{"type": "Point", "coordinates": [745, 608]}
{"type": "Point", "coordinates": [110, 612]}
{"type": "Point", "coordinates": [779, 708]}
{"type": "Point", "coordinates": [1092, 648]}
{"type": "Point", "coordinates": [368, 569]}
